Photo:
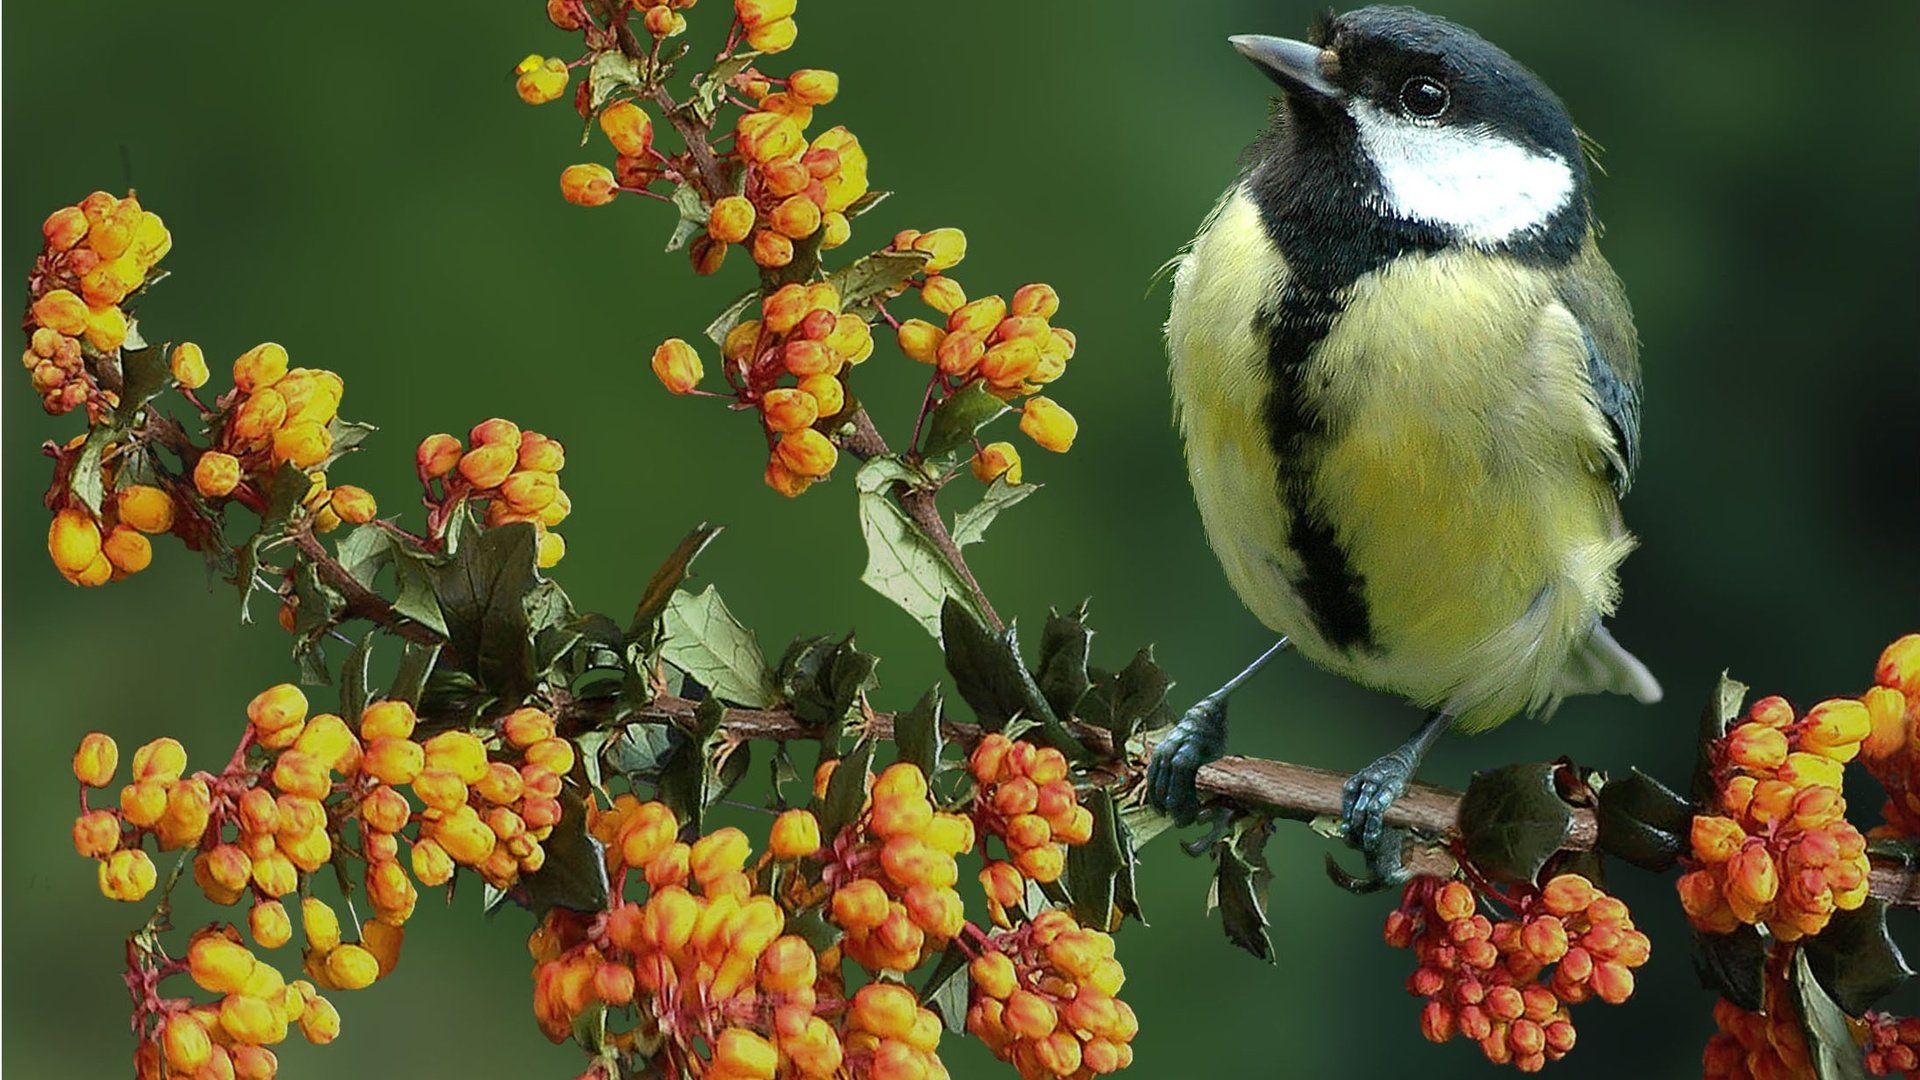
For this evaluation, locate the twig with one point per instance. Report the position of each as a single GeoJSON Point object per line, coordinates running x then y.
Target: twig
{"type": "Point", "coordinates": [1276, 788]}
{"type": "Point", "coordinates": [362, 602]}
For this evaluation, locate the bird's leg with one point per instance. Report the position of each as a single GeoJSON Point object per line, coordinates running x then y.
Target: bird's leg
{"type": "Point", "coordinates": [1368, 793]}
{"type": "Point", "coordinates": [1199, 738]}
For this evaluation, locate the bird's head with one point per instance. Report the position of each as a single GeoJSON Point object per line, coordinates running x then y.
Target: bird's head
{"type": "Point", "coordinates": [1437, 127]}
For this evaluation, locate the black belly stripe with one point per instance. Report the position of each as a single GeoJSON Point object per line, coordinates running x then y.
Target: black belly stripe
{"type": "Point", "coordinates": [1297, 430]}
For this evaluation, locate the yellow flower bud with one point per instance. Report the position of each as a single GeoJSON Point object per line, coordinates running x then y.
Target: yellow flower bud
{"type": "Point", "coordinates": [995, 460]}
{"type": "Point", "coordinates": [127, 875]}
{"type": "Point", "coordinates": [148, 509]}
{"type": "Point", "coordinates": [260, 367]}
{"type": "Point", "coordinates": [677, 366]}
{"type": "Point", "coordinates": [829, 397]}
{"type": "Point", "coordinates": [921, 340]}
{"type": "Point", "coordinates": [980, 316]}
{"type": "Point", "coordinates": [796, 217]}
{"type": "Point", "coordinates": [216, 474]}
{"type": "Point", "coordinates": [320, 1023]}
{"type": "Point", "coordinates": [773, 37]}
{"type": "Point", "coordinates": [1035, 299]}
{"type": "Point", "coordinates": [64, 228]}
{"type": "Point", "coordinates": [106, 327]}
{"type": "Point", "coordinates": [185, 1042]}
{"type": "Point", "coordinates": [484, 467]}
{"type": "Point", "coordinates": [96, 759]}
{"type": "Point", "coordinates": [1049, 425]}
{"type": "Point", "coordinates": [731, 220]}
{"type": "Point", "coordinates": [836, 229]}
{"type": "Point", "coordinates": [945, 248]}
{"type": "Point", "coordinates": [796, 834]}
{"type": "Point", "coordinates": [812, 86]}
{"type": "Point", "coordinates": [269, 924]}
{"type": "Point", "coordinates": [540, 79]}
{"type": "Point", "coordinates": [771, 249]}
{"type": "Point", "coordinates": [785, 480]}
{"type": "Point", "coordinates": [73, 540]}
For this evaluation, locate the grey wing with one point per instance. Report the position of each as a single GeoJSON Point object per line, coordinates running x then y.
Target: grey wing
{"type": "Point", "coordinates": [1594, 295]}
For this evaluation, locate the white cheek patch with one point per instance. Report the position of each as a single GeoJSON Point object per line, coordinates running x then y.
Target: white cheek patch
{"type": "Point", "coordinates": [1477, 185]}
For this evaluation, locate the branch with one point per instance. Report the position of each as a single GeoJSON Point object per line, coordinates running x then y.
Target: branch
{"type": "Point", "coordinates": [1274, 788]}
{"type": "Point", "coordinates": [362, 602]}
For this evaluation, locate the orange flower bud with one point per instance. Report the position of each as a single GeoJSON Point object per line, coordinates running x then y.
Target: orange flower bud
{"type": "Point", "coordinates": [588, 185]}
{"type": "Point", "coordinates": [148, 509]}
{"type": "Point", "coordinates": [677, 366]}
{"type": "Point", "coordinates": [269, 924]}
{"type": "Point", "coordinates": [185, 1042]}
{"type": "Point", "coordinates": [1836, 727]}
{"type": "Point", "coordinates": [808, 453]}
{"type": "Point", "coordinates": [127, 875]}
{"type": "Point", "coordinates": [771, 249]}
{"type": "Point", "coordinates": [627, 127]}
{"type": "Point", "coordinates": [320, 1021]}
{"type": "Point", "coordinates": [1035, 299]}
{"type": "Point", "coordinates": [1029, 1015]}
{"type": "Point", "coordinates": [787, 965]}
{"type": "Point", "coordinates": [431, 863]}
{"type": "Point", "coordinates": [1804, 769]}
{"type": "Point", "coordinates": [1716, 839]}
{"type": "Point", "coordinates": [65, 227]}
{"type": "Point", "coordinates": [861, 904]}
{"type": "Point", "coordinates": [352, 967]}
{"type": "Point", "coordinates": [795, 835]}
{"type": "Point", "coordinates": [795, 217]}
{"type": "Point", "coordinates": [731, 220]}
{"type": "Point", "coordinates": [1568, 894]}
{"type": "Point", "coordinates": [163, 760]}
{"type": "Point", "coordinates": [260, 367]}
{"type": "Point", "coordinates": [484, 467]}
{"type": "Point", "coordinates": [437, 455]}
{"type": "Point", "coordinates": [216, 474]}
{"type": "Point", "coordinates": [73, 540]}
{"type": "Point", "coordinates": [723, 851]}
{"type": "Point", "coordinates": [835, 228]}
{"type": "Point", "coordinates": [106, 327]}
{"type": "Point", "coordinates": [785, 480]}
{"type": "Point", "coordinates": [62, 311]}
{"type": "Point", "coordinates": [525, 726]}
{"type": "Point", "coordinates": [740, 1053]}
{"type": "Point", "coordinates": [787, 410]}
{"type": "Point", "coordinates": [1009, 363]}
{"type": "Point", "coordinates": [1899, 666]}
{"type": "Point", "coordinates": [96, 834]}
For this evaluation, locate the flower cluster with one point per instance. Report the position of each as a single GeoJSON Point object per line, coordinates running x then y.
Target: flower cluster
{"type": "Point", "coordinates": [802, 335]}
{"type": "Point", "coordinates": [1892, 752]}
{"type": "Point", "coordinates": [230, 1035]}
{"type": "Point", "coordinates": [93, 550]}
{"type": "Point", "coordinates": [1507, 985]}
{"type": "Point", "coordinates": [1767, 1045]}
{"type": "Point", "coordinates": [893, 874]}
{"type": "Point", "coordinates": [1893, 1045]}
{"type": "Point", "coordinates": [511, 475]}
{"type": "Point", "coordinates": [1043, 999]}
{"type": "Point", "coordinates": [1022, 795]}
{"type": "Point", "coordinates": [274, 416]}
{"type": "Point", "coordinates": [97, 255]}
{"type": "Point", "coordinates": [794, 188]}
{"type": "Point", "coordinates": [301, 791]}
{"type": "Point", "coordinates": [1781, 850]}
{"type": "Point", "coordinates": [708, 965]}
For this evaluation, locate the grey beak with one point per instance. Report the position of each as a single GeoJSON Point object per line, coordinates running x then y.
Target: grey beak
{"type": "Point", "coordinates": [1295, 65]}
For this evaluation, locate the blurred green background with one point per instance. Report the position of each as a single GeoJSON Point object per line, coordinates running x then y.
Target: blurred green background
{"type": "Point", "coordinates": [358, 182]}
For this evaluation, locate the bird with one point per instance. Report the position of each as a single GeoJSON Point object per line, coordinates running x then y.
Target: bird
{"type": "Point", "coordinates": [1408, 387]}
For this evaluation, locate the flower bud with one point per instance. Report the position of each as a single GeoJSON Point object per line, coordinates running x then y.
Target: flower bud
{"type": "Point", "coordinates": [1035, 299]}
{"type": "Point", "coordinates": [96, 759]}
{"type": "Point", "coordinates": [216, 474]}
{"type": "Point", "coordinates": [944, 247]}
{"type": "Point", "coordinates": [795, 835]}
{"type": "Point", "coordinates": [539, 79]}
{"type": "Point", "coordinates": [1048, 425]}
{"type": "Point", "coordinates": [96, 834]}
{"type": "Point", "coordinates": [437, 455]}
{"type": "Point", "coordinates": [773, 37]}
{"type": "Point", "coordinates": [796, 217]}
{"type": "Point", "coordinates": [627, 127]}
{"type": "Point", "coordinates": [148, 509]}
{"type": "Point", "coordinates": [127, 875]}
{"type": "Point", "coordinates": [677, 366]}
{"type": "Point", "coordinates": [1899, 666]}
{"type": "Point", "coordinates": [64, 228]}
{"type": "Point", "coordinates": [588, 185]}
{"type": "Point", "coordinates": [62, 311]}
{"type": "Point", "coordinates": [771, 249]}
{"type": "Point", "coordinates": [812, 86]}
{"type": "Point", "coordinates": [807, 453]}
{"type": "Point", "coordinates": [73, 541]}
{"type": "Point", "coordinates": [731, 220]}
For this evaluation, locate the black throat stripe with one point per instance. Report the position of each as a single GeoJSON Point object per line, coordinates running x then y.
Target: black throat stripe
{"type": "Point", "coordinates": [1297, 430]}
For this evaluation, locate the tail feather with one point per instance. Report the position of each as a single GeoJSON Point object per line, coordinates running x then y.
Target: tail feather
{"type": "Point", "coordinates": [1601, 664]}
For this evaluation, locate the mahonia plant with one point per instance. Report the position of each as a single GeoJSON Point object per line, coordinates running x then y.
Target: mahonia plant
{"type": "Point", "coordinates": [570, 764]}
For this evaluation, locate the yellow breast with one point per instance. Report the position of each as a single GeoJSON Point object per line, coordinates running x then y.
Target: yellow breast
{"type": "Point", "coordinates": [1454, 465]}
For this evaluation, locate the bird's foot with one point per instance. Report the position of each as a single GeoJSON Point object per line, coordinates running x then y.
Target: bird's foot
{"type": "Point", "coordinates": [1199, 738]}
{"type": "Point", "coordinates": [1364, 801]}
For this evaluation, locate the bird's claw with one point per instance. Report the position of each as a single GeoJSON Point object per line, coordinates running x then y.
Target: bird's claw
{"type": "Point", "coordinates": [1198, 739]}
{"type": "Point", "coordinates": [1364, 800]}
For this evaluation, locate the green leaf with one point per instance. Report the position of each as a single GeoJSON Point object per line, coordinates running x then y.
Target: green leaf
{"type": "Point", "coordinates": [482, 594]}
{"type": "Point", "coordinates": [970, 527]}
{"type": "Point", "coordinates": [704, 640]}
{"type": "Point", "coordinates": [688, 779]}
{"type": "Point", "coordinates": [992, 680]}
{"type": "Point", "coordinates": [866, 202]}
{"type": "Point", "coordinates": [1125, 701]}
{"type": "Point", "coordinates": [666, 580]}
{"type": "Point", "coordinates": [1855, 959]}
{"type": "Point", "coordinates": [813, 926]}
{"type": "Point", "coordinates": [734, 315]}
{"type": "Point", "coordinates": [947, 990]}
{"type": "Point", "coordinates": [873, 275]}
{"type": "Point", "coordinates": [1093, 866]}
{"type": "Point", "coordinates": [846, 790]}
{"type": "Point", "coordinates": [362, 552]}
{"type": "Point", "coordinates": [917, 732]}
{"type": "Point", "coordinates": [347, 437]}
{"type": "Point", "coordinates": [1126, 899]}
{"type": "Point", "coordinates": [1065, 643]}
{"type": "Point", "coordinates": [693, 215]}
{"type": "Point", "coordinates": [953, 424]}
{"type": "Point", "coordinates": [575, 873]}
{"type": "Point", "coordinates": [710, 88]}
{"type": "Point", "coordinates": [1239, 889]}
{"type": "Point", "coordinates": [416, 664]}
{"type": "Point", "coordinates": [903, 564]}
{"type": "Point", "coordinates": [1733, 965]}
{"type": "Point", "coordinates": [1831, 1048]}
{"type": "Point", "coordinates": [1512, 820]}
{"type": "Point", "coordinates": [612, 71]}
{"type": "Point", "coordinates": [1643, 822]}
{"type": "Point", "coordinates": [1142, 823]}
{"type": "Point", "coordinates": [1722, 707]}
{"type": "Point", "coordinates": [318, 604]}
{"type": "Point", "coordinates": [641, 750]}
{"type": "Point", "coordinates": [353, 680]}
{"type": "Point", "coordinates": [144, 373]}
{"type": "Point", "coordinates": [84, 481]}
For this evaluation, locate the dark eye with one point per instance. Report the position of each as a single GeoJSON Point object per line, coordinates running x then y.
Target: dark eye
{"type": "Point", "coordinates": [1424, 97]}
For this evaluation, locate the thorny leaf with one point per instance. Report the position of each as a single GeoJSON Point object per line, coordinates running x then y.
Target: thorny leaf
{"type": "Point", "coordinates": [710, 87]}
{"type": "Point", "coordinates": [970, 525]}
{"type": "Point", "coordinates": [1092, 867]}
{"type": "Point", "coordinates": [666, 580]}
{"type": "Point", "coordinates": [704, 640]}
{"type": "Point", "coordinates": [612, 71]}
{"type": "Point", "coordinates": [1239, 889]}
{"type": "Point", "coordinates": [1512, 820]}
{"type": "Point", "coordinates": [948, 989]}
{"type": "Point", "coordinates": [690, 779]}
{"type": "Point", "coordinates": [353, 679]}
{"type": "Point", "coordinates": [873, 275]}
{"type": "Point", "coordinates": [903, 564]}
{"type": "Point", "coordinates": [1733, 964]}
{"type": "Point", "coordinates": [1643, 822]}
{"type": "Point", "coordinates": [1125, 701]}
{"type": "Point", "coordinates": [483, 594]}
{"type": "Point", "coordinates": [1831, 1048]}
{"type": "Point", "coordinates": [917, 733]}
{"type": "Point", "coordinates": [1065, 643]}
{"type": "Point", "coordinates": [990, 676]}
{"type": "Point", "coordinates": [1722, 707]}
{"type": "Point", "coordinates": [693, 215]}
{"type": "Point", "coordinates": [416, 664]}
{"type": "Point", "coordinates": [846, 790]}
{"type": "Point", "coordinates": [734, 314]}
{"type": "Point", "coordinates": [952, 425]}
{"type": "Point", "coordinates": [1855, 959]}
{"type": "Point", "coordinates": [575, 873]}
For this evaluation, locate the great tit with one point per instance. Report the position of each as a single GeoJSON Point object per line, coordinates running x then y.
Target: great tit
{"type": "Point", "coordinates": [1409, 388]}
